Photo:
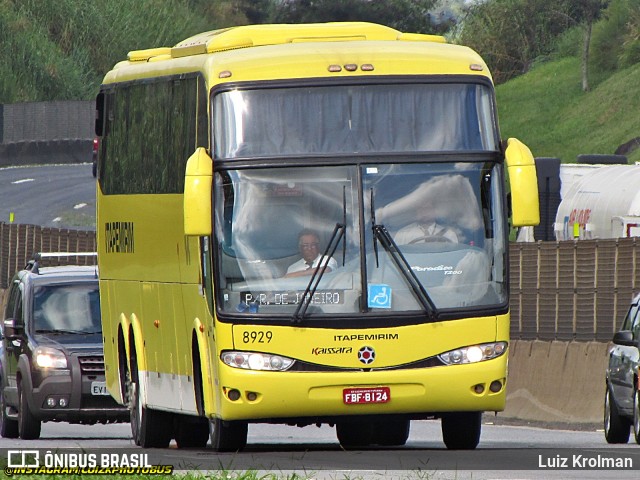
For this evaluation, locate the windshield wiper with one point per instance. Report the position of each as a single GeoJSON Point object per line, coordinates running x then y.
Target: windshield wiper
{"type": "Point", "coordinates": [72, 332]}
{"type": "Point", "coordinates": [381, 234]}
{"type": "Point", "coordinates": [339, 232]}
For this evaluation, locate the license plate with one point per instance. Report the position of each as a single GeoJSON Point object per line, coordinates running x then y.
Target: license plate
{"type": "Point", "coordinates": [366, 395]}
{"type": "Point", "coordinates": [99, 388]}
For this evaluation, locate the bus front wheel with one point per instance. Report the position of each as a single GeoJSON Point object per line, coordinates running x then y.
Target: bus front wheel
{"type": "Point", "coordinates": [355, 434]}
{"type": "Point", "coordinates": [461, 430]}
{"type": "Point", "coordinates": [228, 436]}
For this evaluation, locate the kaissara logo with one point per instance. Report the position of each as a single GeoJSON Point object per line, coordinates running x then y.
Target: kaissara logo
{"type": "Point", "coordinates": [330, 350]}
{"type": "Point", "coordinates": [366, 355]}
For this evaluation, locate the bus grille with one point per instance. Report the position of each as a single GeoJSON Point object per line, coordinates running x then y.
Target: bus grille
{"type": "Point", "coordinates": [92, 365]}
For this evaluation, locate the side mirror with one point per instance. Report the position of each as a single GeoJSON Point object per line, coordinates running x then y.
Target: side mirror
{"type": "Point", "coordinates": [11, 330]}
{"type": "Point", "coordinates": [198, 181]}
{"type": "Point", "coordinates": [624, 337]}
{"type": "Point", "coordinates": [525, 208]}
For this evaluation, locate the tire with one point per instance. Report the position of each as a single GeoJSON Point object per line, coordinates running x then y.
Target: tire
{"type": "Point", "coordinates": [391, 433]}
{"type": "Point", "coordinates": [191, 432]}
{"type": "Point", "coordinates": [149, 428]}
{"type": "Point", "coordinates": [228, 436]}
{"type": "Point", "coordinates": [356, 434]}
{"type": "Point", "coordinates": [461, 431]}
{"type": "Point", "coordinates": [8, 426]}
{"type": "Point", "coordinates": [616, 427]}
{"type": "Point", "coordinates": [28, 425]}
{"type": "Point", "coordinates": [636, 416]}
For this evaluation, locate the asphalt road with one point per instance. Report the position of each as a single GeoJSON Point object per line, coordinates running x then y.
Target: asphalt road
{"type": "Point", "coordinates": [505, 452]}
{"type": "Point", "coordinates": [61, 196]}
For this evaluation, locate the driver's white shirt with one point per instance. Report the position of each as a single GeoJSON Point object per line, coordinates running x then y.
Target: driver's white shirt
{"type": "Point", "coordinates": [301, 265]}
{"type": "Point", "coordinates": [414, 231]}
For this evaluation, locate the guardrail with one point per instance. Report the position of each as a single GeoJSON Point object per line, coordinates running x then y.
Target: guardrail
{"type": "Point", "coordinates": [19, 242]}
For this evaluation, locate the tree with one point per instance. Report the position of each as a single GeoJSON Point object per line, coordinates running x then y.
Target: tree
{"type": "Point", "coordinates": [404, 15]}
{"type": "Point", "coordinates": [512, 34]}
{"type": "Point", "coordinates": [589, 11]}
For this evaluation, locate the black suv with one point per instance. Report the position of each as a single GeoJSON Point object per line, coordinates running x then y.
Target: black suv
{"type": "Point", "coordinates": [51, 354]}
{"type": "Point", "coordinates": [622, 398]}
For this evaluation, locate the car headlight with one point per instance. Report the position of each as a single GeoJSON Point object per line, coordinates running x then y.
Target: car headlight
{"type": "Point", "coordinates": [256, 361]}
{"type": "Point", "coordinates": [473, 353]}
{"type": "Point", "coordinates": [45, 357]}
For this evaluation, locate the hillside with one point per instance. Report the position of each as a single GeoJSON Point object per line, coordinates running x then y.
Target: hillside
{"type": "Point", "coordinates": [547, 109]}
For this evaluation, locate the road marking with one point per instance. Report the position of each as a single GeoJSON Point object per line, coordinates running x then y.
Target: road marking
{"type": "Point", "coordinates": [79, 206]}
{"type": "Point", "coordinates": [24, 180]}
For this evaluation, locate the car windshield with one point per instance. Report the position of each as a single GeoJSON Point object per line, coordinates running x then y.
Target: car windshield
{"type": "Point", "coordinates": [67, 308]}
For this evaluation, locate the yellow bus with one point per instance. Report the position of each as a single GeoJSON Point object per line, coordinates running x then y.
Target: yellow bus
{"type": "Point", "coordinates": [306, 224]}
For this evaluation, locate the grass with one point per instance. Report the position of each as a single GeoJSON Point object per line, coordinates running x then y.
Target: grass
{"type": "Point", "coordinates": [547, 109]}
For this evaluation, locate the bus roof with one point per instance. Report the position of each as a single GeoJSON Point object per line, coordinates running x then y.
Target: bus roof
{"type": "Point", "coordinates": [302, 50]}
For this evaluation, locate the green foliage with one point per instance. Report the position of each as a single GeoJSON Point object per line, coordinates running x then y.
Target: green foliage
{"type": "Point", "coordinates": [512, 34]}
{"type": "Point", "coordinates": [547, 109]}
{"type": "Point", "coordinates": [569, 44]}
{"type": "Point", "coordinates": [608, 36]}
{"type": "Point", "coordinates": [60, 49]}
{"type": "Point", "coordinates": [616, 38]}
{"type": "Point", "coordinates": [404, 15]}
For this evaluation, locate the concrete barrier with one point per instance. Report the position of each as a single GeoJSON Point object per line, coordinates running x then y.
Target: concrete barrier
{"type": "Point", "coordinates": [556, 381]}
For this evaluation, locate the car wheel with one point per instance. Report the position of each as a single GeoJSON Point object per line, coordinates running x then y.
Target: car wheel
{"type": "Point", "coordinates": [8, 426]}
{"type": "Point", "coordinates": [228, 436]}
{"type": "Point", "coordinates": [616, 427]}
{"type": "Point", "coordinates": [28, 424]}
{"type": "Point", "coordinates": [461, 431]}
{"type": "Point", "coordinates": [636, 416]}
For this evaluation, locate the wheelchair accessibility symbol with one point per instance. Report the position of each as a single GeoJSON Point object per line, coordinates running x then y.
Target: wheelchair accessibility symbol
{"type": "Point", "coordinates": [379, 296]}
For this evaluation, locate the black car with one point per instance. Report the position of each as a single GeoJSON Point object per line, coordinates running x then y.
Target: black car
{"type": "Point", "coordinates": [622, 399]}
{"type": "Point", "coordinates": [51, 354]}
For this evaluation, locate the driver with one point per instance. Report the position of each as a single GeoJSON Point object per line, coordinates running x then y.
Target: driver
{"type": "Point", "coordinates": [425, 229]}
{"type": "Point", "coordinates": [309, 245]}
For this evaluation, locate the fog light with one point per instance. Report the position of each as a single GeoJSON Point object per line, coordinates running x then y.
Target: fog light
{"type": "Point", "coordinates": [233, 395]}
{"type": "Point", "coordinates": [63, 402]}
{"type": "Point", "coordinates": [479, 388]}
{"type": "Point", "coordinates": [495, 386]}
{"type": "Point", "coordinates": [252, 396]}
{"type": "Point", "coordinates": [51, 402]}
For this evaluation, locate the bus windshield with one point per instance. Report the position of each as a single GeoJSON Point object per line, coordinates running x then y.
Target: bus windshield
{"type": "Point", "coordinates": [440, 239]}
{"type": "Point", "coordinates": [349, 119]}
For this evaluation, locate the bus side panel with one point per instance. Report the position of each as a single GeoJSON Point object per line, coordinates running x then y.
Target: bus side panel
{"type": "Point", "coordinates": [110, 338]}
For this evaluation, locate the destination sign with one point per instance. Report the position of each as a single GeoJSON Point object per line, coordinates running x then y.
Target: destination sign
{"type": "Point", "coordinates": [293, 297]}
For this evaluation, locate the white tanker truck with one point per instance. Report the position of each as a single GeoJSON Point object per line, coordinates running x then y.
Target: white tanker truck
{"type": "Point", "coordinates": [599, 202]}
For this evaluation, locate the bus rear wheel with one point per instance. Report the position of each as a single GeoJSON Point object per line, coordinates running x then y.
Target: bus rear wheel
{"type": "Point", "coordinates": [149, 428]}
{"type": "Point", "coordinates": [228, 436]}
{"type": "Point", "coordinates": [461, 430]}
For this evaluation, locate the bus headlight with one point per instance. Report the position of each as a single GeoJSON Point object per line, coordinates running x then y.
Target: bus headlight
{"type": "Point", "coordinates": [46, 357]}
{"type": "Point", "coordinates": [473, 353]}
{"type": "Point", "coordinates": [257, 361]}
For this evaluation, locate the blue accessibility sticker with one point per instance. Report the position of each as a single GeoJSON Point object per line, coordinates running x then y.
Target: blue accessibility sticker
{"type": "Point", "coordinates": [379, 296]}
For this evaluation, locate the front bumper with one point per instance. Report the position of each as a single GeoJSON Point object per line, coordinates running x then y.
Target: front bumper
{"type": "Point", "coordinates": [76, 395]}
